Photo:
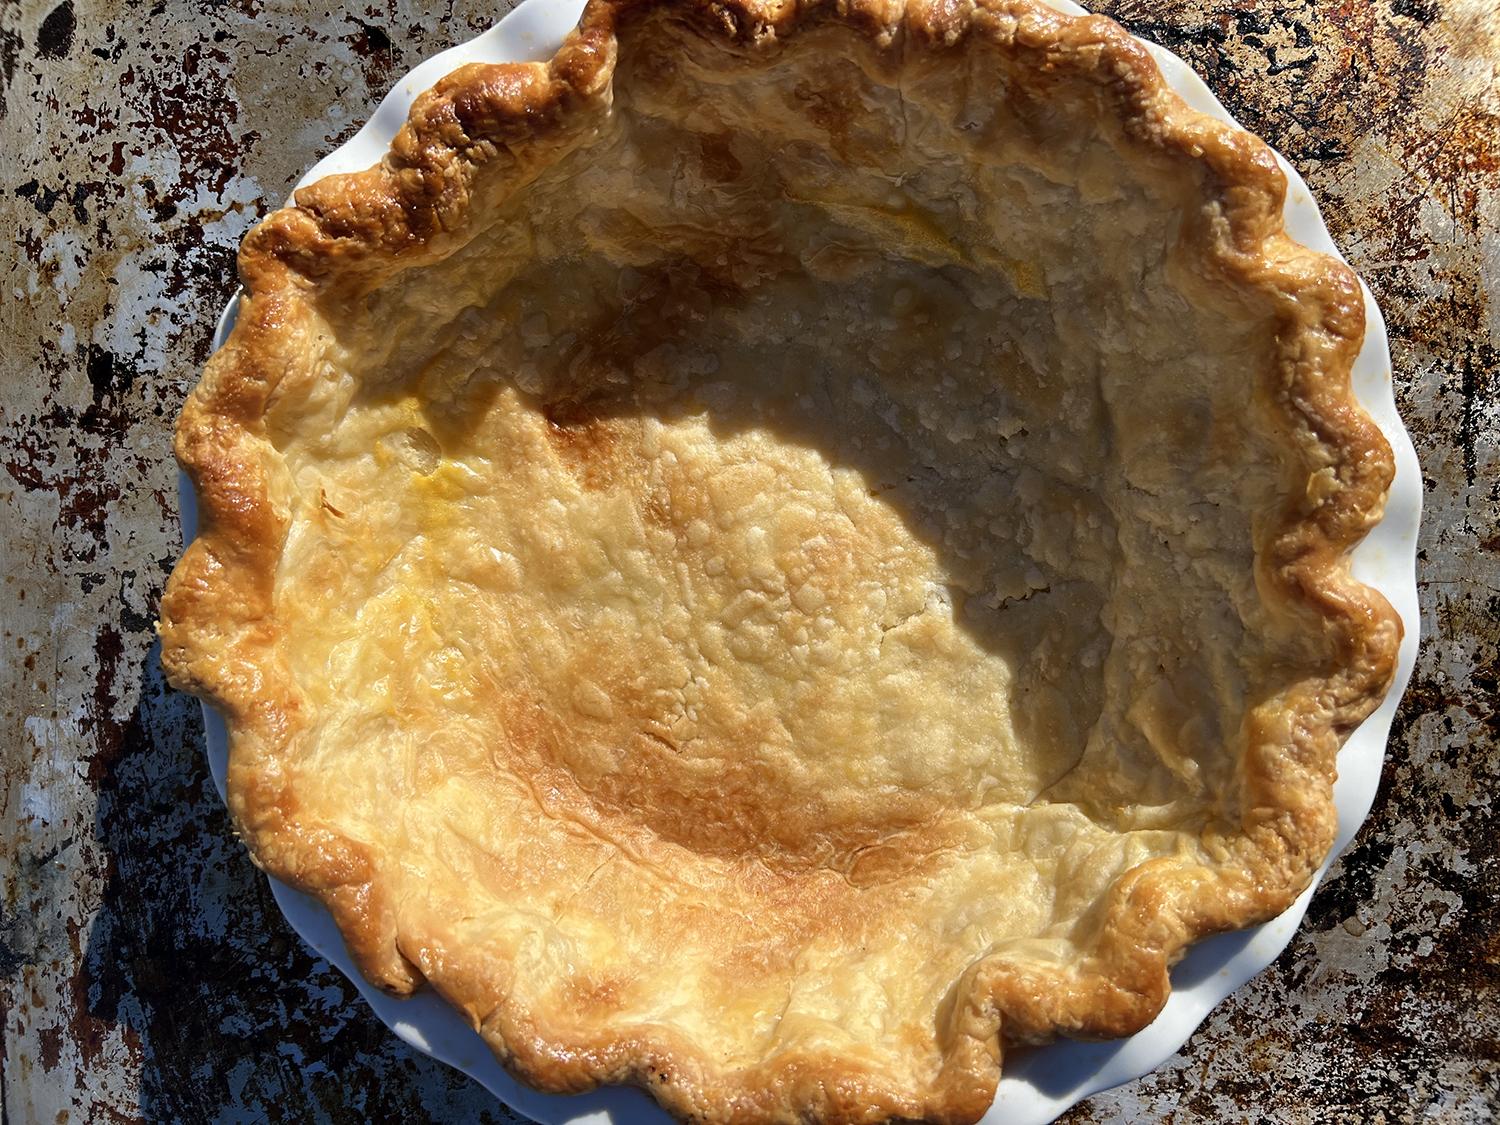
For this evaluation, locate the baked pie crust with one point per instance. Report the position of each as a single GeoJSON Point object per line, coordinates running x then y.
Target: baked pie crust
{"type": "Point", "coordinates": [787, 548]}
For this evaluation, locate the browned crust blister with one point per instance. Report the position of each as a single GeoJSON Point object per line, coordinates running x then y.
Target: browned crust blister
{"type": "Point", "coordinates": [220, 640]}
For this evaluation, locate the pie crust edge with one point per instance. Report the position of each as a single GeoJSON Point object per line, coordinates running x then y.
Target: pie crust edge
{"type": "Point", "coordinates": [220, 638]}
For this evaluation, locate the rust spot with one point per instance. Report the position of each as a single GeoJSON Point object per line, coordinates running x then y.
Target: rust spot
{"type": "Point", "coordinates": [376, 51]}
{"type": "Point", "coordinates": [54, 38]}
{"type": "Point", "coordinates": [49, 1044]}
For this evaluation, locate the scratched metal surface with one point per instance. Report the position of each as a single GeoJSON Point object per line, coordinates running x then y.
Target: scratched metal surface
{"type": "Point", "coordinates": [146, 971]}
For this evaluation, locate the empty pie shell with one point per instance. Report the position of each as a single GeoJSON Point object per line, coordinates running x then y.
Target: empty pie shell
{"type": "Point", "coordinates": [788, 548]}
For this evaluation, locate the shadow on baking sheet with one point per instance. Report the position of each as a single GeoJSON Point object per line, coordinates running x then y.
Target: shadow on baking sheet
{"type": "Point", "coordinates": [227, 1014]}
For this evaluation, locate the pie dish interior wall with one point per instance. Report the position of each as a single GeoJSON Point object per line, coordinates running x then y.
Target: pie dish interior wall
{"type": "Point", "coordinates": [809, 512]}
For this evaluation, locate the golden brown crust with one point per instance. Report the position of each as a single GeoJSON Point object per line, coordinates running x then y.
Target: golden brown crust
{"type": "Point", "coordinates": [346, 234]}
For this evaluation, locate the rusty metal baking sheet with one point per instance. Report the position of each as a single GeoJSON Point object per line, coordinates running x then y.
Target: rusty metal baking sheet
{"type": "Point", "coordinates": [145, 973]}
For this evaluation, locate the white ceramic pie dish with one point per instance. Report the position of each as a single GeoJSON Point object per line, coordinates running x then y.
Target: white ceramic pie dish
{"type": "Point", "coordinates": [1037, 1084]}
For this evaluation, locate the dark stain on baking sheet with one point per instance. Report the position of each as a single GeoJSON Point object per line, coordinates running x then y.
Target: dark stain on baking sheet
{"type": "Point", "coordinates": [145, 973]}
{"type": "Point", "coordinates": [55, 37]}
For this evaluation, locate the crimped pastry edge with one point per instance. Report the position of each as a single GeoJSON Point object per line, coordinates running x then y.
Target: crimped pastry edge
{"type": "Point", "coordinates": [219, 637]}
